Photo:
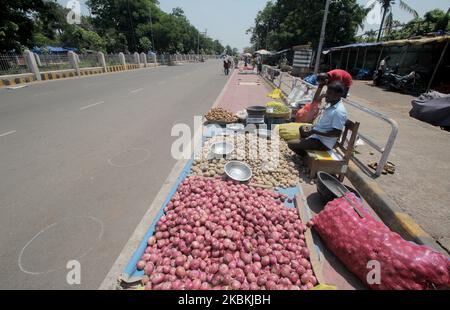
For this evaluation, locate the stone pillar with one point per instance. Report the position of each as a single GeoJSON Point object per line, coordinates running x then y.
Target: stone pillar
{"type": "Point", "coordinates": [136, 58]}
{"type": "Point", "coordinates": [73, 60]}
{"type": "Point", "coordinates": [122, 60]}
{"type": "Point", "coordinates": [143, 59]}
{"type": "Point", "coordinates": [155, 60]}
{"type": "Point", "coordinates": [38, 59]}
{"type": "Point", "coordinates": [32, 65]}
{"type": "Point", "coordinates": [101, 61]}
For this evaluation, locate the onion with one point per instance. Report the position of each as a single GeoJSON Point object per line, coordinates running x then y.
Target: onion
{"type": "Point", "coordinates": [265, 261]}
{"type": "Point", "coordinates": [140, 265]}
{"type": "Point", "coordinates": [305, 278]}
{"type": "Point", "coordinates": [217, 279]}
{"type": "Point", "coordinates": [235, 285]}
{"type": "Point", "coordinates": [149, 267]}
{"type": "Point", "coordinates": [151, 241]}
{"type": "Point", "coordinates": [196, 284]}
{"type": "Point", "coordinates": [246, 258]}
{"type": "Point", "coordinates": [180, 272]}
{"type": "Point", "coordinates": [228, 258]}
{"type": "Point", "coordinates": [157, 278]}
{"type": "Point", "coordinates": [305, 252]}
{"type": "Point", "coordinates": [180, 260]}
{"type": "Point", "coordinates": [223, 269]}
{"type": "Point", "coordinates": [262, 280]}
{"type": "Point", "coordinates": [205, 286]}
{"type": "Point", "coordinates": [271, 285]}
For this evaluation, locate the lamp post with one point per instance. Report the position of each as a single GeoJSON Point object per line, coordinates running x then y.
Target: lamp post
{"type": "Point", "coordinates": [322, 37]}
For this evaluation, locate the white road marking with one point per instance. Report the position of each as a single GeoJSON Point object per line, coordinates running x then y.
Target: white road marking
{"type": "Point", "coordinates": [91, 105]}
{"type": "Point", "coordinates": [7, 133]}
{"type": "Point", "coordinates": [17, 87]}
{"type": "Point", "coordinates": [99, 238]}
{"type": "Point", "coordinates": [162, 82]}
{"type": "Point", "coordinates": [136, 90]}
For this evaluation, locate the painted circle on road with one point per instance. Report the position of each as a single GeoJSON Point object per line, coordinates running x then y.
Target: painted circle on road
{"type": "Point", "coordinates": [129, 158]}
{"type": "Point", "coordinates": [68, 239]}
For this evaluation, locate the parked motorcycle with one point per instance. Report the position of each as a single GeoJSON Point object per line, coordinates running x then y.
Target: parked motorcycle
{"type": "Point", "coordinates": [393, 81]}
{"type": "Point", "coordinates": [382, 78]}
{"type": "Point", "coordinates": [406, 83]}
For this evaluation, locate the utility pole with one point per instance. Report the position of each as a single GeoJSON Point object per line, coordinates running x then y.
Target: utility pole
{"type": "Point", "coordinates": [322, 37]}
{"type": "Point", "coordinates": [133, 34]}
{"type": "Point", "coordinates": [151, 28]}
{"type": "Point", "coordinates": [198, 40]}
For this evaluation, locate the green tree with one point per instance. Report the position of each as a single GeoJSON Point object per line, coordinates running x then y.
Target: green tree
{"type": "Point", "coordinates": [145, 44]}
{"type": "Point", "coordinates": [83, 39]}
{"type": "Point", "coordinates": [388, 17]}
{"type": "Point", "coordinates": [127, 22]}
{"type": "Point", "coordinates": [432, 21]}
{"type": "Point", "coordinates": [286, 23]}
{"type": "Point", "coordinates": [16, 23]}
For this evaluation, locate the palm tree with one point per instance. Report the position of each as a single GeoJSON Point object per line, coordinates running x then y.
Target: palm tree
{"type": "Point", "coordinates": [388, 18]}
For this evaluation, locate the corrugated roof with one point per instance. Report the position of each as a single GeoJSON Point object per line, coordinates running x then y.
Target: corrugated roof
{"type": "Point", "coordinates": [392, 43]}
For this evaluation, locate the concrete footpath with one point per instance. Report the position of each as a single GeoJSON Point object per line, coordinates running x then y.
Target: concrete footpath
{"type": "Point", "coordinates": [421, 185]}
{"type": "Point", "coordinates": [244, 90]}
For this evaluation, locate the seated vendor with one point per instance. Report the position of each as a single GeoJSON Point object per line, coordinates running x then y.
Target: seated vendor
{"type": "Point", "coordinates": [324, 135]}
{"type": "Point", "coordinates": [336, 75]}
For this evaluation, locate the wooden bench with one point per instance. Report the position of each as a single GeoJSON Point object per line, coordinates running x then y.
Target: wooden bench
{"type": "Point", "coordinates": [335, 161]}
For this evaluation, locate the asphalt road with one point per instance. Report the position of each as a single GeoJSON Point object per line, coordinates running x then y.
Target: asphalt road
{"type": "Point", "coordinates": [81, 161]}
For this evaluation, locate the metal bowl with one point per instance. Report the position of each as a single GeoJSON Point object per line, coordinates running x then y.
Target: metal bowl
{"type": "Point", "coordinates": [222, 148]}
{"type": "Point", "coordinates": [238, 171]}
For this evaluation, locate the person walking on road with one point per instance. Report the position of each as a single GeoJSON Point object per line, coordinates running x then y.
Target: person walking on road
{"type": "Point", "coordinates": [259, 64]}
{"type": "Point", "coordinates": [226, 65]}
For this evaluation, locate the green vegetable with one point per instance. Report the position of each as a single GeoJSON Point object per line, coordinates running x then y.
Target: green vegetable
{"type": "Point", "coordinates": [277, 107]}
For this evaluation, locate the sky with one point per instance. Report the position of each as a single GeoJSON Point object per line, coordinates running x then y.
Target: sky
{"type": "Point", "coordinates": [228, 20]}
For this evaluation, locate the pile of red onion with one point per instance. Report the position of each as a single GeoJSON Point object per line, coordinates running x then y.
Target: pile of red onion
{"type": "Point", "coordinates": [223, 235]}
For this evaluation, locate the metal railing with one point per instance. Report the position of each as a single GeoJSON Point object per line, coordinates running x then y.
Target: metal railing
{"type": "Point", "coordinates": [13, 64]}
{"type": "Point", "coordinates": [287, 83]}
{"type": "Point", "coordinates": [53, 62]}
{"type": "Point", "coordinates": [88, 61]}
{"type": "Point", "coordinates": [112, 59]}
{"type": "Point", "coordinates": [129, 59]}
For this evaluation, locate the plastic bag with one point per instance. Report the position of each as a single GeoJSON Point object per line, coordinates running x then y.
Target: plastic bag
{"type": "Point", "coordinates": [289, 131]}
{"type": "Point", "coordinates": [308, 113]}
{"type": "Point", "coordinates": [311, 79]}
{"type": "Point", "coordinates": [362, 244]}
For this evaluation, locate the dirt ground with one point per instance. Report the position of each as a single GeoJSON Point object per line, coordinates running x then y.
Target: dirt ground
{"type": "Point", "coordinates": [421, 184]}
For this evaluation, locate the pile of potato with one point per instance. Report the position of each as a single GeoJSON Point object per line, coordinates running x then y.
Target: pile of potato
{"type": "Point", "coordinates": [250, 148]}
{"type": "Point", "coordinates": [220, 115]}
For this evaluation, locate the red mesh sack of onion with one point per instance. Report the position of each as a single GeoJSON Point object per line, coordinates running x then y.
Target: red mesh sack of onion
{"type": "Point", "coordinates": [364, 244]}
{"type": "Point", "coordinates": [218, 234]}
